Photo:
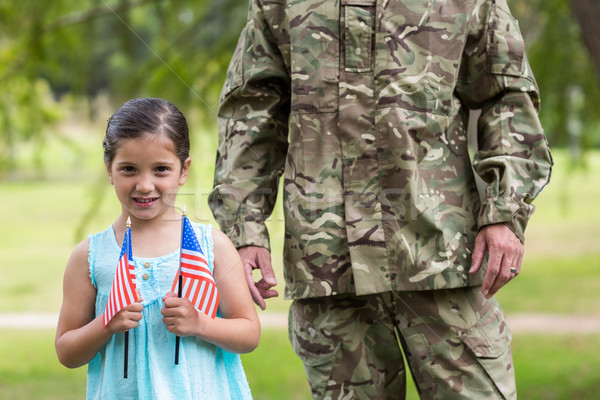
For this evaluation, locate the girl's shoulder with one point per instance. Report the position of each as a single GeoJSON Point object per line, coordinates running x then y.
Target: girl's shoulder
{"type": "Point", "coordinates": [102, 238]}
{"type": "Point", "coordinates": [221, 242]}
{"type": "Point", "coordinates": [106, 234]}
{"type": "Point", "coordinates": [103, 241]}
{"type": "Point", "coordinates": [80, 252]}
{"type": "Point", "coordinates": [78, 264]}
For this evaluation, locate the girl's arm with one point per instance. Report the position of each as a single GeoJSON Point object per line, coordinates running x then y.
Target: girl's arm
{"type": "Point", "coordinates": [238, 331]}
{"type": "Point", "coordinates": [79, 336]}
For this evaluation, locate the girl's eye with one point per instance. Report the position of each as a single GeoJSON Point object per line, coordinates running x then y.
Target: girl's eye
{"type": "Point", "coordinates": [128, 169]}
{"type": "Point", "coordinates": [162, 169]}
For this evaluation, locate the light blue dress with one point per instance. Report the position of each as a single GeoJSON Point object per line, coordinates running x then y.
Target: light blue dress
{"type": "Point", "coordinates": [204, 371]}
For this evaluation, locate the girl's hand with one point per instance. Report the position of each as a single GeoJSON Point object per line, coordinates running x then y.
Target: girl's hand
{"type": "Point", "coordinates": [179, 315]}
{"type": "Point", "coordinates": [128, 317]}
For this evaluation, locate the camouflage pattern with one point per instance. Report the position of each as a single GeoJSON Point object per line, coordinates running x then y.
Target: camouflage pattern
{"type": "Point", "coordinates": [362, 106]}
{"type": "Point", "coordinates": [455, 341]}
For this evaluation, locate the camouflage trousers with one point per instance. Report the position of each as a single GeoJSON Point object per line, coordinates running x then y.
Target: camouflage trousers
{"type": "Point", "coordinates": [455, 341]}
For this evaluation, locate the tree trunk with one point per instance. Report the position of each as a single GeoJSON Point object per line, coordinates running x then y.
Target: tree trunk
{"type": "Point", "coordinates": [587, 13]}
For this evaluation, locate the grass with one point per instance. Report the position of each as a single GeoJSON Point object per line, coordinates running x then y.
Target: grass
{"type": "Point", "coordinates": [31, 370]}
{"type": "Point", "coordinates": [555, 285]}
{"type": "Point", "coordinates": [557, 367]}
{"type": "Point", "coordinates": [547, 367]}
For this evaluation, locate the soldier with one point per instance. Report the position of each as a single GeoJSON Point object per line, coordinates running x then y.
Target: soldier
{"type": "Point", "coordinates": [390, 247]}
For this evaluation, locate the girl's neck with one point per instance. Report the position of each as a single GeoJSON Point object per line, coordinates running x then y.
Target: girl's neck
{"type": "Point", "coordinates": [163, 219]}
{"type": "Point", "coordinates": [151, 238]}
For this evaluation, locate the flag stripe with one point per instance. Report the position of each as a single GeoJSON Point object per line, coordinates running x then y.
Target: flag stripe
{"type": "Point", "coordinates": [121, 296]}
{"type": "Point", "coordinates": [214, 303]}
{"type": "Point", "coordinates": [194, 259]}
{"type": "Point", "coordinates": [198, 298]}
{"type": "Point", "coordinates": [123, 288]}
{"type": "Point", "coordinates": [194, 291]}
{"type": "Point", "coordinates": [197, 275]}
{"type": "Point", "coordinates": [206, 299]}
{"type": "Point", "coordinates": [192, 267]}
{"type": "Point", "coordinates": [194, 263]}
{"type": "Point", "coordinates": [198, 284]}
{"type": "Point", "coordinates": [198, 255]}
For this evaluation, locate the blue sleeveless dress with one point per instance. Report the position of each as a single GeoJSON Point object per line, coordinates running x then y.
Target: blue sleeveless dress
{"type": "Point", "coordinates": [204, 371]}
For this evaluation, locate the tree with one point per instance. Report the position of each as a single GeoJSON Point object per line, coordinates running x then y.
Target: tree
{"type": "Point", "coordinates": [564, 72]}
{"type": "Point", "coordinates": [178, 50]}
{"type": "Point", "coordinates": [587, 13]}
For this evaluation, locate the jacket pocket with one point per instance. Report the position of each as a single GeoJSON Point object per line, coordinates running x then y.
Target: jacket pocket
{"type": "Point", "coordinates": [489, 341]}
{"type": "Point", "coordinates": [359, 19]}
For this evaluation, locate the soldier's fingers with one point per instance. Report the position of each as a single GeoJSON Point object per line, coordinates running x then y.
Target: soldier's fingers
{"type": "Point", "coordinates": [504, 275]}
{"type": "Point", "coordinates": [478, 253]}
{"type": "Point", "coordinates": [518, 263]}
{"type": "Point", "coordinates": [265, 289]}
{"type": "Point", "coordinates": [256, 295]}
{"type": "Point", "coordinates": [264, 264]}
{"type": "Point", "coordinates": [254, 292]}
{"type": "Point", "coordinates": [493, 269]}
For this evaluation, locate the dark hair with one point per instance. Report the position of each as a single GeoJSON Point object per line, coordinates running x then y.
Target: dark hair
{"type": "Point", "coordinates": [138, 117]}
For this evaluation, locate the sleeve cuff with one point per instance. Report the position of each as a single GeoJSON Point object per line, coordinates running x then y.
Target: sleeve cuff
{"type": "Point", "coordinates": [507, 211]}
{"type": "Point", "coordinates": [248, 234]}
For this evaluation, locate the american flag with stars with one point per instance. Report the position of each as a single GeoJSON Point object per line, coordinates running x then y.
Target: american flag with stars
{"type": "Point", "coordinates": [123, 291]}
{"type": "Point", "coordinates": [198, 284]}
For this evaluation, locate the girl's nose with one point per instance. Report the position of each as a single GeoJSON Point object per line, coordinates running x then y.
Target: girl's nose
{"type": "Point", "coordinates": [145, 184]}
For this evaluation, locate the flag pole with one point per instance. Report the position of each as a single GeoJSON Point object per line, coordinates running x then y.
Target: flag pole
{"type": "Point", "coordinates": [126, 344]}
{"type": "Point", "coordinates": [179, 284]}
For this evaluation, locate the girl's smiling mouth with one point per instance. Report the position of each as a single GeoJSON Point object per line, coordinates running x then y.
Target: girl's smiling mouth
{"type": "Point", "coordinates": [145, 201]}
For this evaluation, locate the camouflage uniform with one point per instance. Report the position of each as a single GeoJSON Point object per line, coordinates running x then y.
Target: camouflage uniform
{"type": "Point", "coordinates": [456, 343]}
{"type": "Point", "coordinates": [362, 105]}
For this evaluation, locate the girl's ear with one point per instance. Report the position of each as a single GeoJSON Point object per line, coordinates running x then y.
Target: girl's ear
{"type": "Point", "coordinates": [185, 168]}
{"type": "Point", "coordinates": [109, 171]}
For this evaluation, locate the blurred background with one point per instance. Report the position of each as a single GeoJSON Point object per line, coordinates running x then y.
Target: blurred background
{"type": "Point", "coordinates": [67, 65]}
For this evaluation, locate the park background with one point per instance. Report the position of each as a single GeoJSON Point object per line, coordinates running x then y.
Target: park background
{"type": "Point", "coordinates": [66, 65]}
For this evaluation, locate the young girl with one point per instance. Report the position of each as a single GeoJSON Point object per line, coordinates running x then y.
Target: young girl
{"type": "Point", "coordinates": [146, 152]}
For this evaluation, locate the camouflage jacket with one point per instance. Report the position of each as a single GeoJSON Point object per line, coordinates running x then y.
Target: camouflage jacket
{"type": "Point", "coordinates": [363, 106]}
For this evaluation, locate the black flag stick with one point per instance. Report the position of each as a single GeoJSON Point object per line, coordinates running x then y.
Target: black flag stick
{"type": "Point", "coordinates": [126, 355]}
{"type": "Point", "coordinates": [179, 284]}
{"type": "Point", "coordinates": [126, 344]}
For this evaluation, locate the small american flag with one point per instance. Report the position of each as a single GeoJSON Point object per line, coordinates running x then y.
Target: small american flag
{"type": "Point", "coordinates": [198, 284]}
{"type": "Point", "coordinates": [123, 291]}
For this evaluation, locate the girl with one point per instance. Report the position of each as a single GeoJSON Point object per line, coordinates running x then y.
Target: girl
{"type": "Point", "coordinates": [146, 152]}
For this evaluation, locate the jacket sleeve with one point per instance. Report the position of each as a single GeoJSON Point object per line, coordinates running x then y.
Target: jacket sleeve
{"type": "Point", "coordinates": [512, 155]}
{"type": "Point", "coordinates": [252, 125]}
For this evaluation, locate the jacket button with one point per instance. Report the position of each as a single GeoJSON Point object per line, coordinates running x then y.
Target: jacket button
{"type": "Point", "coordinates": [145, 276]}
{"type": "Point", "coordinates": [147, 265]}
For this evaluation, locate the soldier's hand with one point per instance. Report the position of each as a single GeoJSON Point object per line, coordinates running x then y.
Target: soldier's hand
{"type": "Point", "coordinates": [505, 254]}
{"type": "Point", "coordinates": [254, 257]}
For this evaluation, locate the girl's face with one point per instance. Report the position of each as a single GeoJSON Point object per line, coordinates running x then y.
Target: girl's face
{"type": "Point", "coordinates": [146, 175]}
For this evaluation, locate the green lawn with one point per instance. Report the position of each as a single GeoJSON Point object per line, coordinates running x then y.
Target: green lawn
{"type": "Point", "coordinates": [547, 367]}
{"type": "Point", "coordinates": [29, 369]}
